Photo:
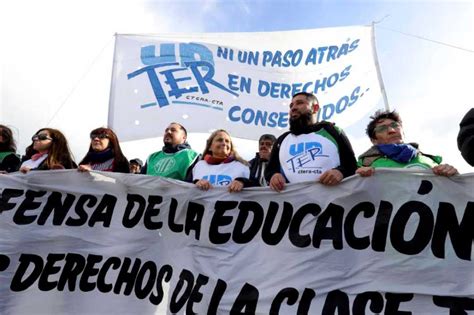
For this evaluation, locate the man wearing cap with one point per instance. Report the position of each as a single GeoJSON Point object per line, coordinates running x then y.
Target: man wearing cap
{"type": "Point", "coordinates": [135, 166]}
{"type": "Point", "coordinates": [174, 160]}
{"type": "Point", "coordinates": [310, 151]}
{"type": "Point", "coordinates": [385, 131]}
{"type": "Point", "coordinates": [260, 162]}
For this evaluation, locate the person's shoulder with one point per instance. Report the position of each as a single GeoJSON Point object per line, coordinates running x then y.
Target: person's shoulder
{"type": "Point", "coordinates": [255, 159]}
{"type": "Point", "coordinates": [190, 151]}
{"type": "Point", "coordinates": [468, 119]}
{"type": "Point", "coordinates": [282, 136]}
{"type": "Point", "coordinates": [328, 125]}
{"type": "Point", "coordinates": [201, 163]}
{"type": "Point", "coordinates": [239, 163]}
{"type": "Point", "coordinates": [154, 154]}
{"type": "Point", "coordinates": [12, 157]}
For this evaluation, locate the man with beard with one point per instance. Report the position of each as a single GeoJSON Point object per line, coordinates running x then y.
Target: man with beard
{"type": "Point", "coordinates": [259, 163]}
{"type": "Point", "coordinates": [176, 156]}
{"type": "Point", "coordinates": [310, 151]}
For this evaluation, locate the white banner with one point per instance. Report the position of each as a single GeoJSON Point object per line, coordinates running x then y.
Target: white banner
{"type": "Point", "coordinates": [242, 82]}
{"type": "Point", "coordinates": [104, 243]}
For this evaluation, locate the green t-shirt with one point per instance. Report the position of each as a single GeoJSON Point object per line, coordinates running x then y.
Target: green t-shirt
{"type": "Point", "coordinates": [419, 162]}
{"type": "Point", "coordinates": [171, 165]}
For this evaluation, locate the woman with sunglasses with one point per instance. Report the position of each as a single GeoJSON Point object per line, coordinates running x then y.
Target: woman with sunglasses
{"type": "Point", "coordinates": [48, 151]}
{"type": "Point", "coordinates": [104, 153]}
{"type": "Point", "coordinates": [9, 160]}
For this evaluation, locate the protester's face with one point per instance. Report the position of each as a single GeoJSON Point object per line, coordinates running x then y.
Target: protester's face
{"type": "Point", "coordinates": [299, 106]}
{"type": "Point", "coordinates": [99, 141]}
{"type": "Point", "coordinates": [134, 168]}
{"type": "Point", "coordinates": [221, 145]}
{"type": "Point", "coordinates": [388, 131]}
{"type": "Point", "coordinates": [265, 148]}
{"type": "Point", "coordinates": [42, 141]}
{"type": "Point", "coordinates": [174, 135]}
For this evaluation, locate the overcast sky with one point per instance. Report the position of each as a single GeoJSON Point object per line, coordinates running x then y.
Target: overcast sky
{"type": "Point", "coordinates": [56, 59]}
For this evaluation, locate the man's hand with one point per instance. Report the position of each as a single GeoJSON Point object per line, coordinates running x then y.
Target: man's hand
{"type": "Point", "coordinates": [277, 182]}
{"type": "Point", "coordinates": [365, 171]}
{"type": "Point", "coordinates": [331, 177]}
{"type": "Point", "coordinates": [444, 170]}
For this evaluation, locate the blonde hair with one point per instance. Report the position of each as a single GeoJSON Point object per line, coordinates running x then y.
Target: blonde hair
{"type": "Point", "coordinates": [233, 152]}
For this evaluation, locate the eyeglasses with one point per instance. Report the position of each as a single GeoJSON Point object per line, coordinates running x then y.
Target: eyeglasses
{"type": "Point", "coordinates": [41, 137]}
{"type": "Point", "coordinates": [384, 128]}
{"type": "Point", "coordinates": [99, 135]}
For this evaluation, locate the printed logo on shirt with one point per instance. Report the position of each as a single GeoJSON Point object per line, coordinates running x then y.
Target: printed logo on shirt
{"type": "Point", "coordinates": [218, 180]}
{"type": "Point", "coordinates": [418, 166]}
{"type": "Point", "coordinates": [164, 164]}
{"type": "Point", "coordinates": [302, 155]}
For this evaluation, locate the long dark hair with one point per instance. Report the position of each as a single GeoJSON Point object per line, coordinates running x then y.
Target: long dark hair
{"type": "Point", "coordinates": [114, 144]}
{"type": "Point", "coordinates": [8, 143]}
{"type": "Point", "coordinates": [59, 152]}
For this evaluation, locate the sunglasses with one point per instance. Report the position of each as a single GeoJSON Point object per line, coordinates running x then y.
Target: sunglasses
{"type": "Point", "coordinates": [41, 137]}
{"type": "Point", "coordinates": [99, 135]}
{"type": "Point", "coordinates": [384, 128]}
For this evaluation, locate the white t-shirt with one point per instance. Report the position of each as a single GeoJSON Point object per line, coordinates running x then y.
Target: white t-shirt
{"type": "Point", "coordinates": [220, 174]}
{"type": "Point", "coordinates": [34, 164]}
{"type": "Point", "coordinates": [305, 157]}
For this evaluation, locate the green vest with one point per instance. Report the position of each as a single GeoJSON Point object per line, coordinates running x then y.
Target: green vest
{"type": "Point", "coordinates": [171, 165]}
{"type": "Point", "coordinates": [419, 162]}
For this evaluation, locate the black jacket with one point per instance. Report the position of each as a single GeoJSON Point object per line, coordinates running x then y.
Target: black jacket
{"type": "Point", "coordinates": [466, 137]}
{"type": "Point", "coordinates": [11, 163]}
{"type": "Point", "coordinates": [255, 169]}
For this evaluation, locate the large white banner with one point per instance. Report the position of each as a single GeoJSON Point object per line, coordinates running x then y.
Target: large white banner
{"type": "Point", "coordinates": [242, 82]}
{"type": "Point", "coordinates": [103, 243]}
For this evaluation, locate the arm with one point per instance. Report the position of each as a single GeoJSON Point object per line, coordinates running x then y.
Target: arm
{"type": "Point", "coordinates": [189, 172]}
{"type": "Point", "coordinates": [122, 167]}
{"type": "Point", "coordinates": [11, 163]}
{"type": "Point", "coordinates": [445, 170]}
{"type": "Point", "coordinates": [346, 155]}
{"type": "Point", "coordinates": [273, 175]}
{"type": "Point", "coordinates": [365, 171]}
{"type": "Point", "coordinates": [144, 168]}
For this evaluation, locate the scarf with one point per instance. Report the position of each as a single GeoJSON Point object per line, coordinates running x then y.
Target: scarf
{"type": "Point", "coordinates": [215, 161]}
{"type": "Point", "coordinates": [99, 157]}
{"type": "Point", "coordinates": [401, 153]}
{"type": "Point", "coordinates": [175, 148]}
{"type": "Point", "coordinates": [38, 155]}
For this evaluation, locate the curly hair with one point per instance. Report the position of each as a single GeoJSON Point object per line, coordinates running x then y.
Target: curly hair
{"type": "Point", "coordinates": [378, 116]}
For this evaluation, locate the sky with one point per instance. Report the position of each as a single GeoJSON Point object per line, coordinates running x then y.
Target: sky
{"type": "Point", "coordinates": [56, 59]}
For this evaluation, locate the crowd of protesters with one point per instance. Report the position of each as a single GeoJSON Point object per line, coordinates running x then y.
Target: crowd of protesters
{"type": "Point", "coordinates": [309, 151]}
